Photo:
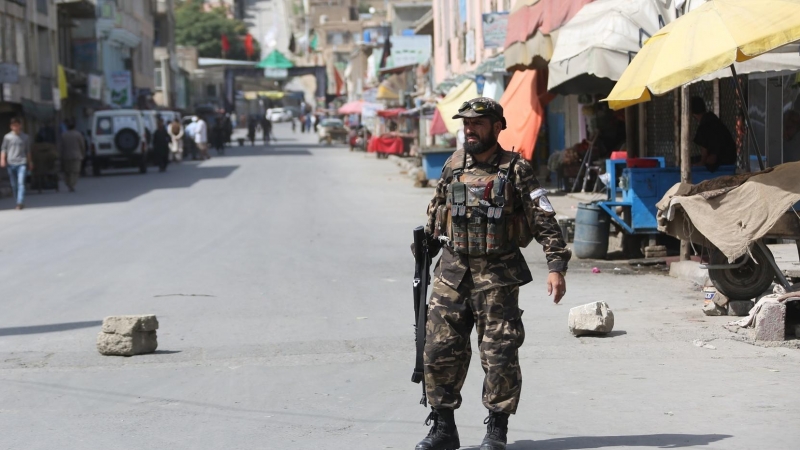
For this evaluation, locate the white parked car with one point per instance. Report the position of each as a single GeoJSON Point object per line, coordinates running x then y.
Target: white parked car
{"type": "Point", "coordinates": [118, 140]}
{"type": "Point", "coordinates": [279, 115]}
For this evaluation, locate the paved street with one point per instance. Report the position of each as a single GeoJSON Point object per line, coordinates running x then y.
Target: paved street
{"type": "Point", "coordinates": [281, 277]}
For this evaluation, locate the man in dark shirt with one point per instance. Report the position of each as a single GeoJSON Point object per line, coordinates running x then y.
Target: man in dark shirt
{"type": "Point", "coordinates": [715, 140]}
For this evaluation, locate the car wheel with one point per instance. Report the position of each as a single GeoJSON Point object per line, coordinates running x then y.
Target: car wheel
{"type": "Point", "coordinates": [127, 140]}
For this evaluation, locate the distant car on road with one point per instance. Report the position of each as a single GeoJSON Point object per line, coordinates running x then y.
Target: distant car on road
{"type": "Point", "coordinates": [279, 115]}
{"type": "Point", "coordinates": [330, 129]}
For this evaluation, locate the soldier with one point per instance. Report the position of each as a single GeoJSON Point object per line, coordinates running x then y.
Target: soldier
{"type": "Point", "coordinates": [487, 205]}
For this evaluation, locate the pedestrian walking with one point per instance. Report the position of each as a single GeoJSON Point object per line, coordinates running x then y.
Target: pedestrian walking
{"type": "Point", "coordinates": [161, 145]}
{"type": "Point", "coordinates": [87, 138]}
{"type": "Point", "coordinates": [15, 155]}
{"type": "Point", "coordinates": [72, 148]}
{"type": "Point", "coordinates": [294, 125]}
{"type": "Point", "coordinates": [217, 136]}
{"type": "Point", "coordinates": [227, 125]}
{"type": "Point", "coordinates": [176, 136]}
{"type": "Point", "coordinates": [251, 130]}
{"type": "Point", "coordinates": [201, 138]}
{"type": "Point", "coordinates": [266, 128]}
{"type": "Point", "coordinates": [483, 190]}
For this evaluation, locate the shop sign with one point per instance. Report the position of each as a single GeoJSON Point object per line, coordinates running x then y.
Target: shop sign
{"type": "Point", "coordinates": [470, 50]}
{"type": "Point", "coordinates": [9, 73]}
{"type": "Point", "coordinates": [410, 50]}
{"type": "Point", "coordinates": [276, 74]}
{"type": "Point", "coordinates": [480, 82]}
{"type": "Point", "coordinates": [120, 88]}
{"type": "Point", "coordinates": [495, 26]}
{"type": "Point", "coordinates": [95, 87]}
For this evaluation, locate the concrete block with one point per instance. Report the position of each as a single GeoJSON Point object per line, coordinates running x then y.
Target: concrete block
{"type": "Point", "coordinates": [712, 309]}
{"type": "Point", "coordinates": [655, 251]}
{"type": "Point", "coordinates": [690, 271]}
{"type": "Point", "coordinates": [740, 308]}
{"type": "Point", "coordinates": [711, 294]}
{"type": "Point", "coordinates": [137, 343]}
{"type": "Point", "coordinates": [771, 322]}
{"type": "Point", "coordinates": [594, 318]}
{"type": "Point", "coordinates": [127, 325]}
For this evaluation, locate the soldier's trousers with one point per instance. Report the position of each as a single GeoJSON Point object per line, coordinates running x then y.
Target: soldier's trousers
{"type": "Point", "coordinates": [496, 315]}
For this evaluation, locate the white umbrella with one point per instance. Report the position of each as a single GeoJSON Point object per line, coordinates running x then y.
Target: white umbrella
{"type": "Point", "coordinates": [596, 46]}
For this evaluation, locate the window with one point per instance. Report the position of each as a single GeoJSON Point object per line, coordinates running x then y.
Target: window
{"type": "Point", "coordinates": [159, 76]}
{"type": "Point", "coordinates": [41, 6]}
{"type": "Point", "coordinates": [46, 88]}
{"type": "Point", "coordinates": [8, 39]}
{"type": "Point", "coordinates": [21, 48]}
{"type": "Point", "coordinates": [211, 90]}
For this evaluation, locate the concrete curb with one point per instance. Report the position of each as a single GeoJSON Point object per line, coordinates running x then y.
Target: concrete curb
{"type": "Point", "coordinates": [690, 271]}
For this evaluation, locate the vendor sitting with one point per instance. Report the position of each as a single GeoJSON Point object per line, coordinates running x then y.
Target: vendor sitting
{"type": "Point", "coordinates": [716, 143]}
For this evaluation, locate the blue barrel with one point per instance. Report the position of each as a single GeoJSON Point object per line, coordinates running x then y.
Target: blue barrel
{"type": "Point", "coordinates": [591, 232]}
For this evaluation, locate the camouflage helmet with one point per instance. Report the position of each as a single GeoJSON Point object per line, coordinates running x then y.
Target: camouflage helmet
{"type": "Point", "coordinates": [481, 107]}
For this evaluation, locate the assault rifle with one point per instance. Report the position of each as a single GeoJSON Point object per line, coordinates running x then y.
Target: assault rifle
{"type": "Point", "coordinates": [422, 259]}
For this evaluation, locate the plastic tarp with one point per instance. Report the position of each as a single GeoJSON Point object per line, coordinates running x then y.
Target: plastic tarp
{"type": "Point", "coordinates": [437, 124]}
{"type": "Point", "coordinates": [594, 48]}
{"type": "Point", "coordinates": [354, 107]}
{"type": "Point", "coordinates": [386, 144]}
{"type": "Point", "coordinates": [393, 112]}
{"type": "Point", "coordinates": [528, 38]}
{"type": "Point", "coordinates": [448, 106]}
{"type": "Point", "coordinates": [523, 107]}
{"type": "Point", "coordinates": [731, 219]}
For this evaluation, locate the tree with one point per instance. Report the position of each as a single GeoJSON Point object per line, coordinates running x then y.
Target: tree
{"type": "Point", "coordinates": [204, 30]}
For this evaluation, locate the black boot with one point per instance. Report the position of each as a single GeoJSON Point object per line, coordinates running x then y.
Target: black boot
{"type": "Point", "coordinates": [496, 430]}
{"type": "Point", "coordinates": [443, 434]}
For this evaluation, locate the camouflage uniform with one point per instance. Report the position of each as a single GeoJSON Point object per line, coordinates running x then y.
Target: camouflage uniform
{"type": "Point", "coordinates": [483, 292]}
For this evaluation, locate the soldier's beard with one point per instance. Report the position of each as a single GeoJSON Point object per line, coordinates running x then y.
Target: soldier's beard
{"type": "Point", "coordinates": [480, 146]}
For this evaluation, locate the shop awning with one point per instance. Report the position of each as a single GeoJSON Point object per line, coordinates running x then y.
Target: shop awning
{"type": "Point", "coordinates": [449, 105]}
{"type": "Point", "coordinates": [523, 107]}
{"type": "Point", "coordinates": [390, 88]}
{"type": "Point", "coordinates": [531, 28]}
{"type": "Point", "coordinates": [596, 46]}
{"type": "Point", "coordinates": [437, 124]}
{"type": "Point", "coordinates": [354, 107]}
{"type": "Point", "coordinates": [389, 113]}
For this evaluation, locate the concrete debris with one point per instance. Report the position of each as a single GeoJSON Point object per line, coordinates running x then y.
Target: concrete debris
{"type": "Point", "coordinates": [655, 251]}
{"type": "Point", "coordinates": [712, 309]}
{"type": "Point", "coordinates": [771, 322]}
{"type": "Point", "coordinates": [740, 308]}
{"type": "Point", "coordinates": [594, 318]}
{"type": "Point", "coordinates": [127, 325]}
{"type": "Point", "coordinates": [128, 335]}
{"type": "Point", "coordinates": [712, 294]}
{"type": "Point", "coordinates": [703, 344]}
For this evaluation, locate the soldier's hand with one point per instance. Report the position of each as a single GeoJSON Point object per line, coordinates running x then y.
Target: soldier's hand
{"type": "Point", "coordinates": [556, 286]}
